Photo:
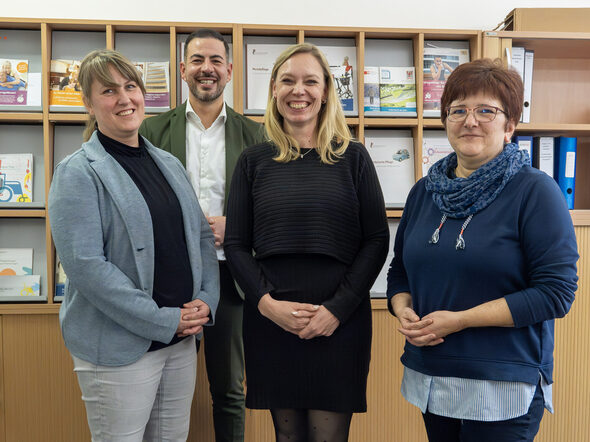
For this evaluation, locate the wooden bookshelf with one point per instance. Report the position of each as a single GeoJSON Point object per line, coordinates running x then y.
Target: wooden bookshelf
{"type": "Point", "coordinates": [39, 375]}
{"type": "Point", "coordinates": [559, 104]}
{"type": "Point", "coordinates": [84, 35]}
{"type": "Point", "coordinates": [559, 107]}
{"type": "Point", "coordinates": [21, 117]}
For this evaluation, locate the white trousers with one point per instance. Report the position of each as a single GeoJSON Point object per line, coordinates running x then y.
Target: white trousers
{"type": "Point", "coordinates": [147, 400]}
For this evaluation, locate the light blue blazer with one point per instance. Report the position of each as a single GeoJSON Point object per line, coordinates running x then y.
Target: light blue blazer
{"type": "Point", "coordinates": [102, 230]}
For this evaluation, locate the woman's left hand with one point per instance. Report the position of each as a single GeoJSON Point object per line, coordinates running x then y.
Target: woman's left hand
{"type": "Point", "coordinates": [323, 323]}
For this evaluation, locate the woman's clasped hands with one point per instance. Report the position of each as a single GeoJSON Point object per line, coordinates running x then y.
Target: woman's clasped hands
{"type": "Point", "coordinates": [426, 331]}
{"type": "Point", "coordinates": [193, 316]}
{"type": "Point", "coordinates": [429, 330]}
{"type": "Point", "coordinates": [304, 320]}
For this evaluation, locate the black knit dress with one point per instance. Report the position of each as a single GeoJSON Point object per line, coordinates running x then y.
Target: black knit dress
{"type": "Point", "coordinates": [319, 233]}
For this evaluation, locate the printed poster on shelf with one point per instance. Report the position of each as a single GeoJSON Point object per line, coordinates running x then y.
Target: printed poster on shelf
{"type": "Point", "coordinates": [228, 92]}
{"type": "Point", "coordinates": [13, 81]}
{"type": "Point", "coordinates": [64, 89]}
{"type": "Point", "coordinates": [343, 83]}
{"type": "Point", "coordinates": [434, 148]}
{"type": "Point", "coordinates": [397, 90]}
{"type": "Point", "coordinates": [156, 79]}
{"type": "Point", "coordinates": [16, 178]}
{"type": "Point", "coordinates": [371, 93]}
{"type": "Point", "coordinates": [342, 61]}
{"type": "Point", "coordinates": [394, 162]}
{"type": "Point", "coordinates": [25, 285]}
{"type": "Point", "coordinates": [438, 65]}
{"type": "Point", "coordinates": [260, 59]}
{"type": "Point", "coordinates": [15, 262]}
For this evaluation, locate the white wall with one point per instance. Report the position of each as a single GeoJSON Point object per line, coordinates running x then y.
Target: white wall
{"type": "Point", "coordinates": [446, 14]}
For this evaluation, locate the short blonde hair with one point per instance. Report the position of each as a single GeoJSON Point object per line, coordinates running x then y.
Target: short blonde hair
{"type": "Point", "coordinates": [333, 134]}
{"type": "Point", "coordinates": [95, 66]}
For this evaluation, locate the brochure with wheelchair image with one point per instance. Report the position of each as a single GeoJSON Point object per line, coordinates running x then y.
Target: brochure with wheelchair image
{"type": "Point", "coordinates": [342, 61]}
{"type": "Point", "coordinates": [16, 178]}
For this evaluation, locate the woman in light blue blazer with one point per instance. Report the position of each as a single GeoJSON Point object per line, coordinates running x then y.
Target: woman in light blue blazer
{"type": "Point", "coordinates": [141, 264]}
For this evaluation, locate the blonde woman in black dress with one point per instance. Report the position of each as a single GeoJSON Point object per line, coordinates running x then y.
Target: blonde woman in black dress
{"type": "Point", "coordinates": [308, 203]}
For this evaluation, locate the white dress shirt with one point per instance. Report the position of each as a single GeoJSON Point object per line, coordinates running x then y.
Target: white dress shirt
{"type": "Point", "coordinates": [205, 162]}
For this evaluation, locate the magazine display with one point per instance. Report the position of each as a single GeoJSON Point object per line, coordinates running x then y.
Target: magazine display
{"type": "Point", "coordinates": [434, 147]}
{"type": "Point", "coordinates": [397, 90]}
{"type": "Point", "coordinates": [343, 83]}
{"type": "Point", "coordinates": [260, 59]}
{"type": "Point", "coordinates": [16, 178]}
{"type": "Point", "coordinates": [65, 94]}
{"type": "Point", "coordinates": [438, 65]}
{"type": "Point", "coordinates": [16, 268]}
{"type": "Point", "coordinates": [371, 89]}
{"type": "Point", "coordinates": [15, 262]}
{"type": "Point", "coordinates": [156, 80]}
{"type": "Point", "coordinates": [13, 81]}
{"type": "Point", "coordinates": [342, 61]}
{"type": "Point", "coordinates": [393, 158]}
{"type": "Point", "coordinates": [24, 285]}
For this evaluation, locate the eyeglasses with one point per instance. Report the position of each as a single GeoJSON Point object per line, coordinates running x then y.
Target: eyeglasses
{"type": "Point", "coordinates": [482, 114]}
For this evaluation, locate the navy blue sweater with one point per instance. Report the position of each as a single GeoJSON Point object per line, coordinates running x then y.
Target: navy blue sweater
{"type": "Point", "coordinates": [521, 247]}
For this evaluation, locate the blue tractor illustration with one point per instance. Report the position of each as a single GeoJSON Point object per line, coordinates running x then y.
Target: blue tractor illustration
{"type": "Point", "coordinates": [10, 188]}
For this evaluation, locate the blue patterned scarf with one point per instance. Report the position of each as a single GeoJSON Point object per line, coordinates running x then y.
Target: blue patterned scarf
{"type": "Point", "coordinates": [461, 197]}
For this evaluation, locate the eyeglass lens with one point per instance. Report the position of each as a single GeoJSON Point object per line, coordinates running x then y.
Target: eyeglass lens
{"type": "Point", "coordinates": [480, 113]}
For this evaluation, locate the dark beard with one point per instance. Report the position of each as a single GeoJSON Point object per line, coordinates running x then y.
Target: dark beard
{"type": "Point", "coordinates": [205, 97]}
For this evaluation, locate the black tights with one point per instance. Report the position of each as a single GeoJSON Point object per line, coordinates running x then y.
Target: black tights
{"type": "Point", "coordinates": [302, 425]}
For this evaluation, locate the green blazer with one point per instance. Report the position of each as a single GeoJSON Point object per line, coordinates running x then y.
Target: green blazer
{"type": "Point", "coordinates": [168, 132]}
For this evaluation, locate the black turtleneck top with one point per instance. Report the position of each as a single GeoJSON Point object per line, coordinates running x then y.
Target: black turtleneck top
{"type": "Point", "coordinates": [173, 280]}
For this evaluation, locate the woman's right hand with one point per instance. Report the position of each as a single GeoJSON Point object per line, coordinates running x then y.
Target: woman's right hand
{"type": "Point", "coordinates": [290, 316]}
{"type": "Point", "coordinates": [412, 327]}
{"type": "Point", "coordinates": [191, 321]}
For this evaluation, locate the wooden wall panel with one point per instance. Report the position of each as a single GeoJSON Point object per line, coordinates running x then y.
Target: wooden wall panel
{"type": "Point", "coordinates": [42, 398]}
{"type": "Point", "coordinates": [389, 417]}
{"type": "Point", "coordinates": [571, 388]}
{"type": "Point", "coordinates": [39, 382]}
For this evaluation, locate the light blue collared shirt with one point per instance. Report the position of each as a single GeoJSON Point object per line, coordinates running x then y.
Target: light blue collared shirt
{"type": "Point", "coordinates": [471, 399]}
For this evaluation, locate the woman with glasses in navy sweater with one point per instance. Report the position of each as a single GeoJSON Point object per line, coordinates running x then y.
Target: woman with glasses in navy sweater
{"type": "Point", "coordinates": [485, 260]}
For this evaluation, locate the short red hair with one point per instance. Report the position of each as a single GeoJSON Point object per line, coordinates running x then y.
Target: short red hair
{"type": "Point", "coordinates": [489, 77]}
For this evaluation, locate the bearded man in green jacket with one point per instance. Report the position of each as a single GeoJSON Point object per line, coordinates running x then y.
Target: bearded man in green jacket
{"type": "Point", "coordinates": [207, 136]}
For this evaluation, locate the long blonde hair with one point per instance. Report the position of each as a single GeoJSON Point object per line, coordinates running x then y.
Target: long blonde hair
{"type": "Point", "coordinates": [333, 135]}
{"type": "Point", "coordinates": [95, 66]}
